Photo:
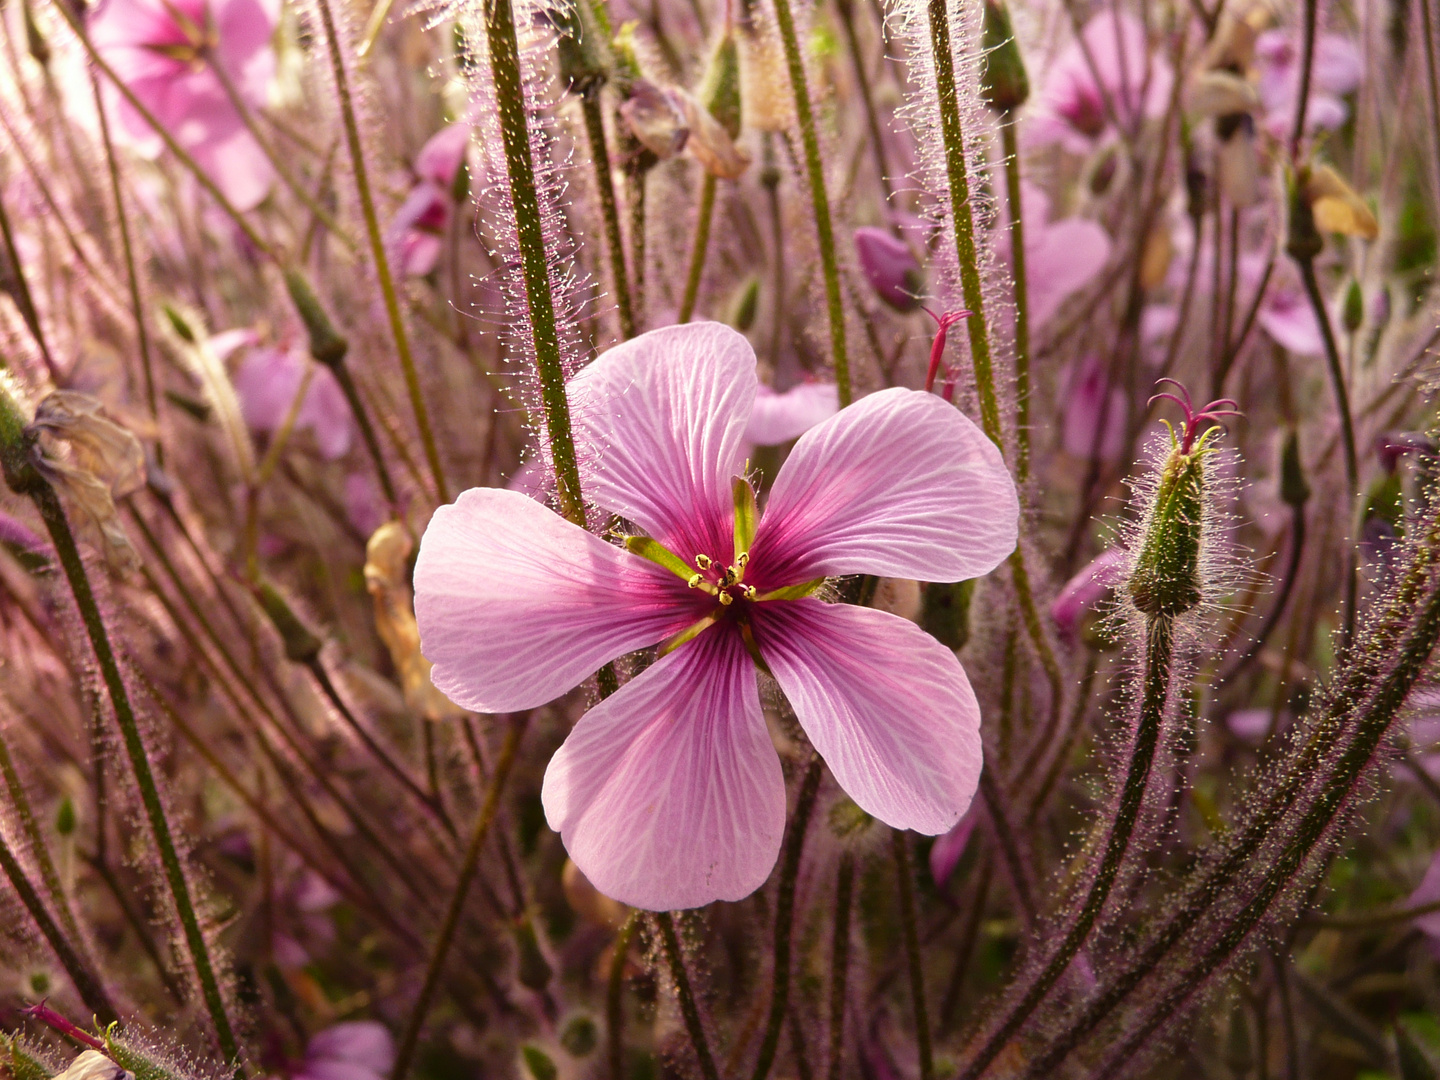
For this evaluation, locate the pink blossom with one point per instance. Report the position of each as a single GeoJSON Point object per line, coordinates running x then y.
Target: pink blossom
{"type": "Point", "coordinates": [777, 418]}
{"type": "Point", "coordinates": [1336, 72]}
{"type": "Point", "coordinates": [669, 793]}
{"type": "Point", "coordinates": [1070, 108]}
{"type": "Point", "coordinates": [268, 380]}
{"type": "Point", "coordinates": [354, 1050]}
{"type": "Point", "coordinates": [945, 853]}
{"type": "Point", "coordinates": [1086, 589]}
{"type": "Point", "coordinates": [167, 53]}
{"type": "Point", "coordinates": [1094, 424]}
{"type": "Point", "coordinates": [890, 267]}
{"type": "Point", "coordinates": [1061, 257]}
{"type": "Point", "coordinates": [417, 231]}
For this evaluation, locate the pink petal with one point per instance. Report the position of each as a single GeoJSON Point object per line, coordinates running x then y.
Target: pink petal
{"type": "Point", "coordinates": [239, 168]}
{"type": "Point", "coordinates": [669, 794]}
{"type": "Point", "coordinates": [1086, 589]}
{"type": "Point", "coordinates": [1287, 317]}
{"type": "Point", "coordinates": [439, 159]}
{"type": "Point", "coordinates": [900, 484]}
{"type": "Point", "coordinates": [778, 418]}
{"type": "Point", "coordinates": [1095, 423]}
{"type": "Point", "coordinates": [659, 422]}
{"type": "Point", "coordinates": [1061, 257]}
{"type": "Point", "coordinates": [364, 1042]}
{"type": "Point", "coordinates": [516, 605]}
{"type": "Point", "coordinates": [326, 412]}
{"type": "Point", "coordinates": [946, 852]}
{"type": "Point", "coordinates": [887, 706]}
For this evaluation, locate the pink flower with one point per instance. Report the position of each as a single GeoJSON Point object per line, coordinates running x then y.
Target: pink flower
{"type": "Point", "coordinates": [890, 267]}
{"type": "Point", "coordinates": [1070, 108]}
{"type": "Point", "coordinates": [777, 418]}
{"type": "Point", "coordinates": [1336, 72]}
{"type": "Point", "coordinates": [1086, 589]}
{"type": "Point", "coordinates": [669, 793]}
{"type": "Point", "coordinates": [418, 228]}
{"type": "Point", "coordinates": [268, 380]}
{"type": "Point", "coordinates": [1095, 422]}
{"type": "Point", "coordinates": [354, 1050]}
{"type": "Point", "coordinates": [167, 52]}
{"type": "Point", "coordinates": [1060, 256]}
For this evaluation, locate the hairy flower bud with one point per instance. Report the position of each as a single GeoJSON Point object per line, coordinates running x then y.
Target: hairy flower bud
{"type": "Point", "coordinates": [1165, 581]}
{"type": "Point", "coordinates": [1003, 82]}
{"type": "Point", "coordinates": [327, 344]}
{"type": "Point", "coordinates": [1352, 311]}
{"type": "Point", "coordinates": [1294, 489]}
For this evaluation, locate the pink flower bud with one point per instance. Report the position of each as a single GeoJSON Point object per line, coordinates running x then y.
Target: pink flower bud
{"type": "Point", "coordinates": [890, 268]}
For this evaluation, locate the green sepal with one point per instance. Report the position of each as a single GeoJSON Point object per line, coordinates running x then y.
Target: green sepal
{"type": "Point", "coordinates": [793, 592]}
{"type": "Point", "coordinates": [660, 555]}
{"type": "Point", "coordinates": [747, 515]}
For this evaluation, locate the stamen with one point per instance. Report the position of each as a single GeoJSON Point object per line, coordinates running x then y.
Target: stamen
{"type": "Point", "coordinates": [704, 562]}
{"type": "Point", "coordinates": [742, 560]}
{"type": "Point", "coordinates": [694, 581]}
{"type": "Point", "coordinates": [726, 599]}
{"type": "Point", "coordinates": [750, 592]}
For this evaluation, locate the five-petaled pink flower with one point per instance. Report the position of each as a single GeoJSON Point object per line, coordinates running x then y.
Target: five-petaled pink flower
{"type": "Point", "coordinates": [669, 793]}
{"type": "Point", "coordinates": [177, 56]}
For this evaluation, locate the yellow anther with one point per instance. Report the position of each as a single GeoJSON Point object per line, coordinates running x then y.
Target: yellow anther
{"type": "Point", "coordinates": [704, 562]}
{"type": "Point", "coordinates": [750, 592]}
{"type": "Point", "coordinates": [726, 599]}
{"type": "Point", "coordinates": [742, 560]}
{"type": "Point", "coordinates": [695, 580]}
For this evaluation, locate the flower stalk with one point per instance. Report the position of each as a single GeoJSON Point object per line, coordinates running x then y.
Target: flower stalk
{"type": "Point", "coordinates": [688, 1009]}
{"type": "Point", "coordinates": [378, 253]}
{"type": "Point", "coordinates": [815, 173]}
{"type": "Point", "coordinates": [24, 479]}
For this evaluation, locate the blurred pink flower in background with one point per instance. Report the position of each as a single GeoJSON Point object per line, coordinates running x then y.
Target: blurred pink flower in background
{"type": "Point", "coordinates": [945, 853]}
{"type": "Point", "coordinates": [1070, 108]}
{"type": "Point", "coordinates": [354, 1050]}
{"type": "Point", "coordinates": [1087, 589]}
{"type": "Point", "coordinates": [1094, 421]}
{"type": "Point", "coordinates": [890, 267]}
{"type": "Point", "coordinates": [777, 418]}
{"type": "Point", "coordinates": [1061, 257]}
{"type": "Point", "coordinates": [417, 231]}
{"type": "Point", "coordinates": [669, 794]}
{"type": "Point", "coordinates": [267, 381]}
{"type": "Point", "coordinates": [176, 56]}
{"type": "Point", "coordinates": [1337, 70]}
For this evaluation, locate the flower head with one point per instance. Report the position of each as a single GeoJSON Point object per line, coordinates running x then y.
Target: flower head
{"type": "Point", "coordinates": [182, 59]}
{"type": "Point", "coordinates": [669, 793]}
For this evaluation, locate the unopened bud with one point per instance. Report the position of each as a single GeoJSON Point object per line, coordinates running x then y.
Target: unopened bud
{"type": "Point", "coordinates": [720, 89]}
{"type": "Point", "coordinates": [654, 119]}
{"type": "Point", "coordinates": [764, 77]}
{"type": "Point", "coordinates": [1165, 581]}
{"type": "Point", "coordinates": [745, 305]}
{"type": "Point", "coordinates": [65, 817]}
{"type": "Point", "coordinates": [1294, 488]}
{"type": "Point", "coordinates": [1003, 82]}
{"type": "Point", "coordinates": [301, 646]}
{"type": "Point", "coordinates": [1302, 240]}
{"type": "Point", "coordinates": [890, 268]}
{"type": "Point", "coordinates": [1352, 312]}
{"type": "Point", "coordinates": [581, 48]}
{"type": "Point", "coordinates": [327, 345]}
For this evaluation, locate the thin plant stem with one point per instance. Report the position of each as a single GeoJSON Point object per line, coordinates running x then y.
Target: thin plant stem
{"type": "Point", "coordinates": [410, 1041]}
{"type": "Point", "coordinates": [132, 276]}
{"type": "Point", "coordinates": [698, 248]}
{"type": "Point", "coordinates": [378, 253]}
{"type": "Point", "coordinates": [53, 515]}
{"type": "Point", "coordinates": [515, 133]}
{"type": "Point", "coordinates": [904, 876]}
{"type": "Point", "coordinates": [770, 179]}
{"type": "Point", "coordinates": [367, 431]}
{"type": "Point", "coordinates": [635, 186]}
{"type": "Point", "coordinates": [846, 11]}
{"type": "Point", "coordinates": [1011, 151]}
{"type": "Point", "coordinates": [815, 172]}
{"type": "Point", "coordinates": [962, 219]}
{"type": "Point", "coordinates": [1347, 435]}
{"type": "Point", "coordinates": [785, 916]}
{"type": "Point", "coordinates": [966, 949]}
{"type": "Point", "coordinates": [87, 984]}
{"type": "Point", "coordinates": [615, 998]}
{"type": "Point", "coordinates": [1432, 80]}
{"type": "Point", "coordinates": [1159, 645]}
{"type": "Point", "coordinates": [1009, 846]}
{"type": "Point", "coordinates": [36, 839]}
{"type": "Point", "coordinates": [1307, 63]}
{"type": "Point", "coordinates": [605, 185]}
{"type": "Point", "coordinates": [28, 311]}
{"type": "Point", "coordinates": [840, 962]}
{"type": "Point", "coordinates": [688, 1009]}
